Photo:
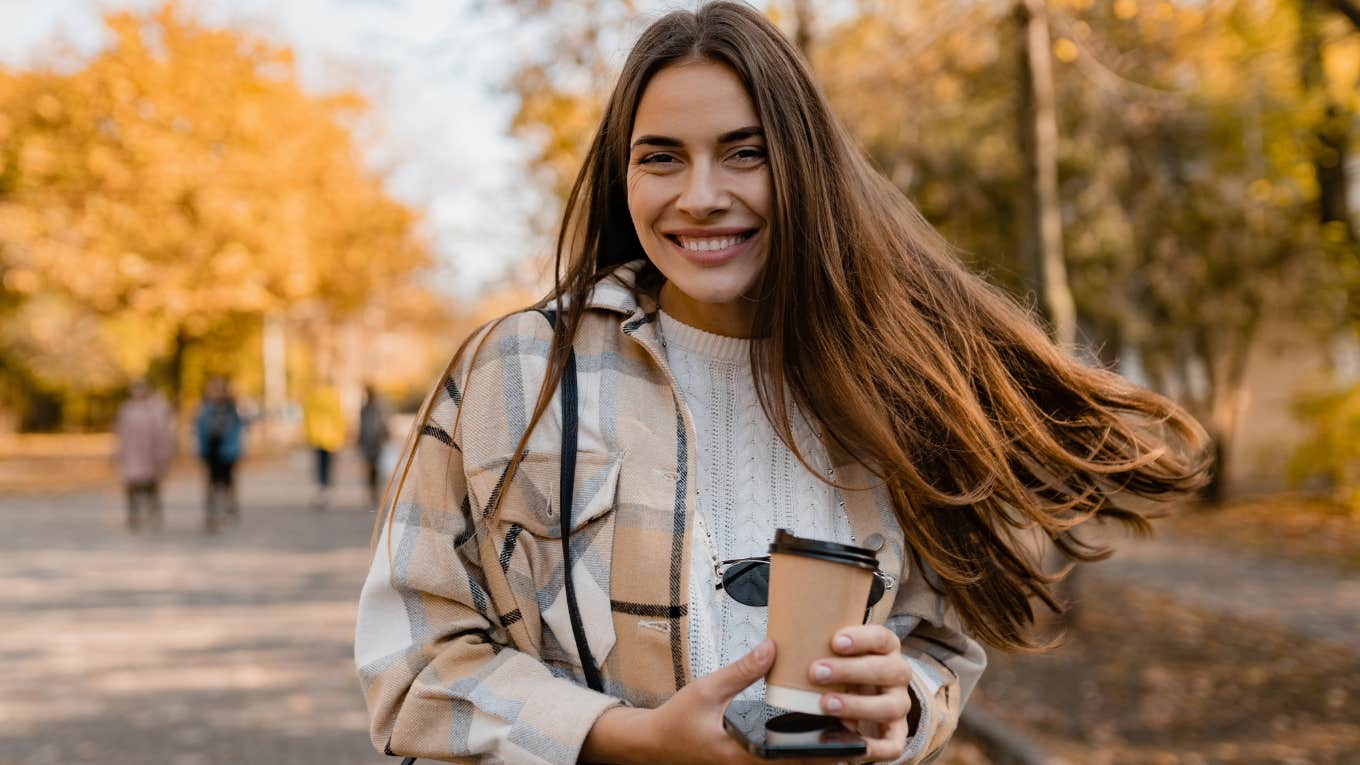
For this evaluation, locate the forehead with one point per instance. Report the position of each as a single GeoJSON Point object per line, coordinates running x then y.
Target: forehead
{"type": "Point", "coordinates": [694, 101]}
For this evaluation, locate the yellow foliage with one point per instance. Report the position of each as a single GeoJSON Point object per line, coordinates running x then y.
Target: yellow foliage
{"type": "Point", "coordinates": [1332, 449]}
{"type": "Point", "coordinates": [181, 176]}
{"type": "Point", "coordinates": [1341, 66]}
{"type": "Point", "coordinates": [1065, 50]}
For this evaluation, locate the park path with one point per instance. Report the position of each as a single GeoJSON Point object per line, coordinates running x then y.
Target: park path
{"type": "Point", "coordinates": [1313, 600]}
{"type": "Point", "coordinates": [186, 649]}
{"type": "Point", "coordinates": [178, 647]}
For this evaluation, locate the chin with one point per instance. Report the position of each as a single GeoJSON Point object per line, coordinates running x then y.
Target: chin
{"type": "Point", "coordinates": [715, 288]}
{"type": "Point", "coordinates": [715, 295]}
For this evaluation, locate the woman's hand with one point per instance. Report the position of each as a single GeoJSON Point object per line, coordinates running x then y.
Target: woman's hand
{"type": "Point", "coordinates": [869, 659]}
{"type": "Point", "coordinates": [688, 727]}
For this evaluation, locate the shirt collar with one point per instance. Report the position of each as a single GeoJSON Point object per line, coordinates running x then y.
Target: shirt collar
{"type": "Point", "coordinates": [618, 292]}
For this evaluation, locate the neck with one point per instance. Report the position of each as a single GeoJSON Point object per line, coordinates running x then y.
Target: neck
{"type": "Point", "coordinates": [733, 319]}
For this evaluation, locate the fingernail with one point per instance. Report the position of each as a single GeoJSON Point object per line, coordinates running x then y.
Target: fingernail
{"type": "Point", "coordinates": [833, 704]}
{"type": "Point", "coordinates": [841, 643]}
{"type": "Point", "coordinates": [762, 651]}
{"type": "Point", "coordinates": [821, 672]}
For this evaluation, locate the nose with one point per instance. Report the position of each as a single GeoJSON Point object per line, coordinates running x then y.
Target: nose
{"type": "Point", "coordinates": [704, 194]}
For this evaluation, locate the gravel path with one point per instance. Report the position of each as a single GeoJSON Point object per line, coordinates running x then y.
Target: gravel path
{"type": "Point", "coordinates": [177, 647]}
{"type": "Point", "coordinates": [1315, 601]}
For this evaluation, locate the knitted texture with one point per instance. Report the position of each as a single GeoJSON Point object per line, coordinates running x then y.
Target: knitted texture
{"type": "Point", "coordinates": [749, 484]}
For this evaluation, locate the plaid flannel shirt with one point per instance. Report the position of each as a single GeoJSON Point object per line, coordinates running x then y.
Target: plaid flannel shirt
{"type": "Point", "coordinates": [463, 644]}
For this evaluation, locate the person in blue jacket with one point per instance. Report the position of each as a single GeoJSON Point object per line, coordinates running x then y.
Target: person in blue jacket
{"type": "Point", "coordinates": [220, 429]}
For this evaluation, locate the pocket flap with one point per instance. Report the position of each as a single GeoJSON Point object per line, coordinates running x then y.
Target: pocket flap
{"type": "Point", "coordinates": [531, 500]}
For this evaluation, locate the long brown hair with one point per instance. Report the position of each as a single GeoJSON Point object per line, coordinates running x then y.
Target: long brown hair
{"type": "Point", "coordinates": [982, 431]}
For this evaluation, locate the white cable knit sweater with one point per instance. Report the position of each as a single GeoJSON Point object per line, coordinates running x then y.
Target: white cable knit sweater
{"type": "Point", "coordinates": [749, 483]}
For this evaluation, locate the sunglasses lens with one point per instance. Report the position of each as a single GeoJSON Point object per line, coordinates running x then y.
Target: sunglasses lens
{"type": "Point", "coordinates": [748, 582]}
{"type": "Point", "coordinates": [876, 592]}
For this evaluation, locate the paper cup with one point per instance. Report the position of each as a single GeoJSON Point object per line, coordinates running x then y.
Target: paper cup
{"type": "Point", "coordinates": [816, 589]}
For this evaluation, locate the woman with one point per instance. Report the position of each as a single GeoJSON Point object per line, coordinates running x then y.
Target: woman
{"type": "Point", "coordinates": [372, 439]}
{"type": "Point", "coordinates": [766, 334]}
{"type": "Point", "coordinates": [145, 429]}
{"type": "Point", "coordinates": [323, 424]}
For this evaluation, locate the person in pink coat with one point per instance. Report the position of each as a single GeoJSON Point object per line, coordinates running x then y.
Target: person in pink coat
{"type": "Point", "coordinates": [146, 446]}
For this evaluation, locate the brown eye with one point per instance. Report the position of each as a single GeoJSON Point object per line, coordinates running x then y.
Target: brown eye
{"type": "Point", "coordinates": [659, 158]}
{"type": "Point", "coordinates": [749, 155]}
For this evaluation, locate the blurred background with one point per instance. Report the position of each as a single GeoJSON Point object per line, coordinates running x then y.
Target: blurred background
{"type": "Point", "coordinates": [246, 237]}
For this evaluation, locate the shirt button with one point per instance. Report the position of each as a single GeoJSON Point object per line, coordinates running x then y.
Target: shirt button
{"type": "Point", "coordinates": [874, 542]}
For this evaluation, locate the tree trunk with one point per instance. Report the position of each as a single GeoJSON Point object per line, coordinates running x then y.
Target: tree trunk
{"type": "Point", "coordinates": [1222, 428]}
{"type": "Point", "coordinates": [1227, 373]}
{"type": "Point", "coordinates": [1216, 490]}
{"type": "Point", "coordinates": [802, 28]}
{"type": "Point", "coordinates": [1108, 343]}
{"type": "Point", "coordinates": [1041, 244]}
{"type": "Point", "coordinates": [1331, 135]}
{"type": "Point", "coordinates": [177, 358]}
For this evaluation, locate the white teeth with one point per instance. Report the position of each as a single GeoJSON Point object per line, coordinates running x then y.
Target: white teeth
{"type": "Point", "coordinates": [708, 244]}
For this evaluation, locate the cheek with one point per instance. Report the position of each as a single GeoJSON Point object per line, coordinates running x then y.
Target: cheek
{"type": "Point", "coordinates": [757, 193]}
{"type": "Point", "coordinates": [645, 203]}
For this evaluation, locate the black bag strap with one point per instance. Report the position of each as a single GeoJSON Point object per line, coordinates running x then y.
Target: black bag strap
{"type": "Point", "coordinates": [566, 497]}
{"type": "Point", "coordinates": [565, 500]}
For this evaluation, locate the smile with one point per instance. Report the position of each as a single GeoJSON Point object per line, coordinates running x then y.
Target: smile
{"type": "Point", "coordinates": [713, 250]}
{"type": "Point", "coordinates": [710, 243]}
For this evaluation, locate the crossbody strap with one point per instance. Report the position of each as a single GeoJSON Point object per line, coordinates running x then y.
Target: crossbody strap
{"type": "Point", "coordinates": [565, 500]}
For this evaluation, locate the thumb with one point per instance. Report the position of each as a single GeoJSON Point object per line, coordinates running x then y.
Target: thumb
{"type": "Point", "coordinates": [731, 679]}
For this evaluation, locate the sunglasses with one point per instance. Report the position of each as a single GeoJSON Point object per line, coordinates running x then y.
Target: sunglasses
{"type": "Point", "coordinates": [747, 581]}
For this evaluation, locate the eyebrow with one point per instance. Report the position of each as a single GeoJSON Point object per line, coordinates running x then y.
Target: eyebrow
{"type": "Point", "coordinates": [740, 134]}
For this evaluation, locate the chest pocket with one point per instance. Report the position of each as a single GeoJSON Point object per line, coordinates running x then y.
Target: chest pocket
{"type": "Point", "coordinates": [529, 526]}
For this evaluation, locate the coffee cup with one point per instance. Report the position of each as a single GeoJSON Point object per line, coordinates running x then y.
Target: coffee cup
{"type": "Point", "coordinates": [816, 589]}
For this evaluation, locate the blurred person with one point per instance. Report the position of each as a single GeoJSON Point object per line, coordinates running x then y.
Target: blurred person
{"type": "Point", "coordinates": [220, 431]}
{"type": "Point", "coordinates": [768, 335]}
{"type": "Point", "coordinates": [373, 434]}
{"type": "Point", "coordinates": [145, 432]}
{"type": "Point", "coordinates": [323, 421]}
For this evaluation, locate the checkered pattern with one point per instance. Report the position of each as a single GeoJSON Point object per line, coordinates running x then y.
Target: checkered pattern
{"type": "Point", "coordinates": [464, 646]}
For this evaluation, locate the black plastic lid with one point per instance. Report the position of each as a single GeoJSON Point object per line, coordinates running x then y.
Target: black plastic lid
{"type": "Point", "coordinates": [788, 544]}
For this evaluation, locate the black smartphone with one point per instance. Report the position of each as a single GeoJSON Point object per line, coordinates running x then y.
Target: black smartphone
{"type": "Point", "coordinates": [772, 733]}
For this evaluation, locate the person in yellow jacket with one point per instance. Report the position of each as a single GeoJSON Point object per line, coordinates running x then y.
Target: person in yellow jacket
{"type": "Point", "coordinates": [323, 421]}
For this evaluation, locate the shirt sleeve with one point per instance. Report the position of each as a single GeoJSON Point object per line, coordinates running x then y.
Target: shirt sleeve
{"type": "Point", "coordinates": [438, 674]}
{"type": "Point", "coordinates": [945, 664]}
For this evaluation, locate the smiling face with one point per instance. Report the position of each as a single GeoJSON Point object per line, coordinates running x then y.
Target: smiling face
{"type": "Point", "coordinates": [699, 193]}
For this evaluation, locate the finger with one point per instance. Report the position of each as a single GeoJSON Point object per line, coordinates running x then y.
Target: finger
{"type": "Point", "coordinates": [731, 679]}
{"type": "Point", "coordinates": [868, 729]}
{"type": "Point", "coordinates": [890, 745]}
{"type": "Point", "coordinates": [885, 707]}
{"type": "Point", "coordinates": [870, 669]}
{"type": "Point", "coordinates": [866, 638]}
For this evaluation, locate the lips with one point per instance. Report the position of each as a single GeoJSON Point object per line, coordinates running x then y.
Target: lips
{"type": "Point", "coordinates": [711, 247]}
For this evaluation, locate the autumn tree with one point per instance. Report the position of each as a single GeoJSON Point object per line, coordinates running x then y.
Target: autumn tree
{"type": "Point", "coordinates": [1185, 217]}
{"type": "Point", "coordinates": [174, 189]}
{"type": "Point", "coordinates": [1037, 123]}
{"type": "Point", "coordinates": [1182, 173]}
